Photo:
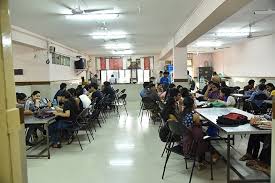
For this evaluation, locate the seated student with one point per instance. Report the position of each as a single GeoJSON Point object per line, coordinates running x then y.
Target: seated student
{"type": "Point", "coordinates": [159, 89]}
{"type": "Point", "coordinates": [260, 91]}
{"type": "Point", "coordinates": [152, 93]}
{"type": "Point", "coordinates": [170, 111]}
{"type": "Point", "coordinates": [166, 94]}
{"type": "Point", "coordinates": [95, 93]}
{"type": "Point", "coordinates": [205, 87]}
{"type": "Point", "coordinates": [86, 101]}
{"type": "Point", "coordinates": [78, 102]}
{"type": "Point", "coordinates": [223, 84]}
{"type": "Point", "coordinates": [63, 87]}
{"type": "Point", "coordinates": [108, 90]}
{"type": "Point", "coordinates": [216, 78]}
{"type": "Point", "coordinates": [145, 87]}
{"type": "Point", "coordinates": [21, 100]}
{"type": "Point", "coordinates": [185, 92]}
{"type": "Point", "coordinates": [225, 97]}
{"type": "Point", "coordinates": [192, 121]}
{"type": "Point", "coordinates": [249, 89]}
{"type": "Point", "coordinates": [269, 88]}
{"type": "Point", "coordinates": [212, 92]}
{"type": "Point", "coordinates": [64, 118]}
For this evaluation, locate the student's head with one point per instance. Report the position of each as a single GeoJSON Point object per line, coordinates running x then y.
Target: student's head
{"type": "Point", "coordinates": [72, 91]}
{"type": "Point", "coordinates": [166, 74]}
{"type": "Point", "coordinates": [179, 87]}
{"type": "Point", "coordinates": [215, 73]}
{"type": "Point", "coordinates": [262, 81]}
{"type": "Point", "coordinates": [79, 91]}
{"type": "Point", "coordinates": [169, 108]}
{"type": "Point", "coordinates": [63, 86]}
{"type": "Point", "coordinates": [251, 82]}
{"type": "Point", "coordinates": [188, 104]}
{"type": "Point", "coordinates": [159, 87]}
{"type": "Point", "coordinates": [188, 72]}
{"type": "Point", "coordinates": [215, 87]}
{"type": "Point", "coordinates": [223, 84]}
{"type": "Point", "coordinates": [160, 73]}
{"type": "Point", "coordinates": [146, 84]}
{"type": "Point", "coordinates": [152, 87]}
{"type": "Point", "coordinates": [95, 76]}
{"type": "Point", "coordinates": [261, 87]}
{"type": "Point", "coordinates": [106, 84]}
{"type": "Point", "coordinates": [93, 86]}
{"type": "Point", "coordinates": [184, 92]}
{"type": "Point", "coordinates": [36, 95]}
{"type": "Point", "coordinates": [172, 85]}
{"type": "Point", "coordinates": [175, 93]}
{"type": "Point", "coordinates": [21, 98]}
{"type": "Point", "coordinates": [65, 96]}
{"type": "Point", "coordinates": [270, 87]}
{"type": "Point", "coordinates": [112, 76]}
{"type": "Point", "coordinates": [170, 103]}
{"type": "Point", "coordinates": [225, 92]}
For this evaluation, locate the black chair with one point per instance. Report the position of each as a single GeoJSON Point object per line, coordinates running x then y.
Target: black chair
{"type": "Point", "coordinates": [122, 99]}
{"type": "Point", "coordinates": [178, 129]}
{"type": "Point", "coordinates": [147, 105]}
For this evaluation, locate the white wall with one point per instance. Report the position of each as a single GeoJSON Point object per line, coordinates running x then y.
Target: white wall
{"type": "Point", "coordinates": [200, 60]}
{"type": "Point", "coordinates": [252, 58]}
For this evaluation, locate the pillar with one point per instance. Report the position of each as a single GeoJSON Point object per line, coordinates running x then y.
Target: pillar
{"type": "Point", "coordinates": [180, 66]}
{"type": "Point", "coordinates": [12, 153]}
{"type": "Point", "coordinates": [273, 119]}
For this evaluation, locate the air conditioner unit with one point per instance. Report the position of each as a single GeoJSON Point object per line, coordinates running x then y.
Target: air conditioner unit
{"type": "Point", "coordinates": [52, 49]}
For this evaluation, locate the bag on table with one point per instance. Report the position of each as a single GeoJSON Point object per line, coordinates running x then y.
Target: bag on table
{"type": "Point", "coordinates": [232, 119]}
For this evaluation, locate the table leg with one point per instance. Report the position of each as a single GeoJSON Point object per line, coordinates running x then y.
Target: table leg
{"type": "Point", "coordinates": [48, 140]}
{"type": "Point", "coordinates": [228, 159]}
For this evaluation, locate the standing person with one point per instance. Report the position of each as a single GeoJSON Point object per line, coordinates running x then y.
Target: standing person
{"type": "Point", "coordinates": [94, 79]}
{"type": "Point", "coordinates": [63, 87]}
{"type": "Point", "coordinates": [113, 80]}
{"type": "Point", "coordinates": [160, 76]}
{"type": "Point", "coordinates": [165, 80]}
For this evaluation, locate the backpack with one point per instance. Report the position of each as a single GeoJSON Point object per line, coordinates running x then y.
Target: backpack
{"type": "Point", "coordinates": [164, 132]}
{"type": "Point", "coordinates": [232, 119]}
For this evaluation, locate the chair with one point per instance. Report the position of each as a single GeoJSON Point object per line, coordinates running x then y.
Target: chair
{"type": "Point", "coordinates": [148, 105]}
{"type": "Point", "coordinates": [179, 129]}
{"type": "Point", "coordinates": [255, 109]}
{"type": "Point", "coordinates": [122, 98]}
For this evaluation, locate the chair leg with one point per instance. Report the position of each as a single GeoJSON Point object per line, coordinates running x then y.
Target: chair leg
{"type": "Point", "coordinates": [98, 122]}
{"type": "Point", "coordinates": [141, 106]}
{"type": "Point", "coordinates": [194, 162]}
{"type": "Point", "coordinates": [164, 168]}
{"type": "Point", "coordinates": [91, 132]}
{"type": "Point", "coordinates": [87, 135]}
{"type": "Point", "coordinates": [76, 134]}
{"type": "Point", "coordinates": [126, 110]}
{"type": "Point", "coordinates": [186, 163]}
{"type": "Point", "coordinates": [211, 166]}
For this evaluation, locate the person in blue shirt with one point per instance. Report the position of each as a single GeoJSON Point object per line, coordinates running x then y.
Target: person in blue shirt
{"type": "Point", "coordinates": [259, 91]}
{"type": "Point", "coordinates": [165, 80]}
{"type": "Point", "coordinates": [145, 88]}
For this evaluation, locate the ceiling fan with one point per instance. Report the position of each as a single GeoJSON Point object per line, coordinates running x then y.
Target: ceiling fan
{"type": "Point", "coordinates": [79, 11]}
{"type": "Point", "coordinates": [250, 34]}
{"type": "Point", "coordinates": [264, 12]}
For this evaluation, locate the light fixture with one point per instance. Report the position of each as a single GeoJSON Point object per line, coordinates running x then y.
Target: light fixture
{"type": "Point", "coordinates": [232, 33]}
{"type": "Point", "coordinates": [93, 16]}
{"type": "Point", "coordinates": [122, 52]}
{"type": "Point", "coordinates": [115, 46]}
{"type": "Point", "coordinates": [208, 44]}
{"type": "Point", "coordinates": [108, 35]}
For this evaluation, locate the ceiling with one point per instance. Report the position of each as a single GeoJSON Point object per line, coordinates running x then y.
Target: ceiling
{"type": "Point", "coordinates": [148, 31]}
{"type": "Point", "coordinates": [262, 25]}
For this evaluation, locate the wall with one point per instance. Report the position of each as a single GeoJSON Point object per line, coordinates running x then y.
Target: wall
{"type": "Point", "coordinates": [247, 59]}
{"type": "Point", "coordinates": [199, 60]}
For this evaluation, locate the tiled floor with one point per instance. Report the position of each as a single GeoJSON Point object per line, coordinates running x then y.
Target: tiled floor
{"type": "Point", "coordinates": [124, 151]}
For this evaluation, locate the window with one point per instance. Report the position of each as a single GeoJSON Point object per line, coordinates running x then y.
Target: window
{"type": "Point", "coordinates": [61, 60]}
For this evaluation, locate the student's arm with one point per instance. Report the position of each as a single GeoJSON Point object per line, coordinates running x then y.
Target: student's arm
{"type": "Point", "coordinates": [196, 119]}
{"type": "Point", "coordinates": [65, 114]}
{"type": "Point", "coordinates": [28, 112]}
{"type": "Point", "coordinates": [207, 92]}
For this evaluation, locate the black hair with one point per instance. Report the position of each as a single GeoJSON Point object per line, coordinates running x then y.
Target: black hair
{"type": "Point", "coordinates": [161, 72]}
{"type": "Point", "coordinates": [35, 93]}
{"type": "Point", "coordinates": [79, 91]}
{"type": "Point", "coordinates": [251, 81]}
{"type": "Point", "coordinates": [223, 84]}
{"type": "Point", "coordinates": [217, 85]}
{"type": "Point", "coordinates": [173, 92]}
{"type": "Point", "coordinates": [226, 91]}
{"type": "Point", "coordinates": [184, 92]}
{"type": "Point", "coordinates": [169, 108]}
{"type": "Point", "coordinates": [166, 73]}
{"type": "Point", "coordinates": [21, 96]}
{"type": "Point", "coordinates": [151, 85]}
{"type": "Point", "coordinates": [270, 85]}
{"type": "Point", "coordinates": [179, 87]}
{"type": "Point", "coordinates": [187, 72]}
{"type": "Point", "coordinates": [94, 85]}
{"type": "Point", "coordinates": [215, 73]}
{"type": "Point", "coordinates": [95, 75]}
{"type": "Point", "coordinates": [262, 87]}
{"type": "Point", "coordinates": [66, 94]}
{"type": "Point", "coordinates": [72, 91]}
{"type": "Point", "coordinates": [63, 86]}
{"type": "Point", "coordinates": [145, 84]}
{"type": "Point", "coordinates": [112, 75]}
{"type": "Point", "coordinates": [188, 104]}
{"type": "Point", "coordinates": [172, 85]}
{"type": "Point", "coordinates": [106, 83]}
{"type": "Point", "coordinates": [263, 81]}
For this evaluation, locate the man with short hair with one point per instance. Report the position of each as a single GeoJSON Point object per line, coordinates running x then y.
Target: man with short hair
{"type": "Point", "coordinates": [62, 89]}
{"type": "Point", "coordinates": [165, 80]}
{"type": "Point", "coordinates": [152, 93]}
{"type": "Point", "coordinates": [249, 89]}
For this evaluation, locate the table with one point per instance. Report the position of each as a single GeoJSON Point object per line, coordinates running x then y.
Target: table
{"type": "Point", "coordinates": [31, 120]}
{"type": "Point", "coordinates": [238, 97]}
{"type": "Point", "coordinates": [212, 114]}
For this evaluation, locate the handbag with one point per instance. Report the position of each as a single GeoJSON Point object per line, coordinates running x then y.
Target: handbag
{"type": "Point", "coordinates": [232, 119]}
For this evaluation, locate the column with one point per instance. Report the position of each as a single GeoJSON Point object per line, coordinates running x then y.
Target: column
{"type": "Point", "coordinates": [12, 153]}
{"type": "Point", "coordinates": [180, 66]}
{"type": "Point", "coordinates": [273, 121]}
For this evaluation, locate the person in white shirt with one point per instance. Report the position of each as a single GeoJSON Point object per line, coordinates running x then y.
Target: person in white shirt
{"type": "Point", "coordinates": [112, 80]}
{"type": "Point", "coordinates": [86, 101]}
{"type": "Point", "coordinates": [225, 97]}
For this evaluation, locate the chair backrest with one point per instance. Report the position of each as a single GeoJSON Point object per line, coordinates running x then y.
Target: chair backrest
{"type": "Point", "coordinates": [83, 114]}
{"type": "Point", "coordinates": [123, 96]}
{"type": "Point", "coordinates": [117, 90]}
{"type": "Point", "coordinates": [148, 103]}
{"type": "Point", "coordinates": [123, 91]}
{"type": "Point", "coordinates": [177, 128]}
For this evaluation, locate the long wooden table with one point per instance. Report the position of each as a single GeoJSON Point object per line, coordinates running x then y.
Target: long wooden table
{"type": "Point", "coordinates": [212, 114]}
{"type": "Point", "coordinates": [31, 120]}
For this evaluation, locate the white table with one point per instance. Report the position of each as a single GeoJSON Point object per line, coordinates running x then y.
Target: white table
{"type": "Point", "coordinates": [212, 114]}
{"type": "Point", "coordinates": [31, 120]}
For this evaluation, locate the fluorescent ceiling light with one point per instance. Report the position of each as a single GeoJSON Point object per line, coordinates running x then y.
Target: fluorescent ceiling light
{"type": "Point", "coordinates": [115, 46]}
{"type": "Point", "coordinates": [232, 34]}
{"type": "Point", "coordinates": [93, 16]}
{"type": "Point", "coordinates": [208, 44]}
{"type": "Point", "coordinates": [108, 35]}
{"type": "Point", "coordinates": [122, 52]}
